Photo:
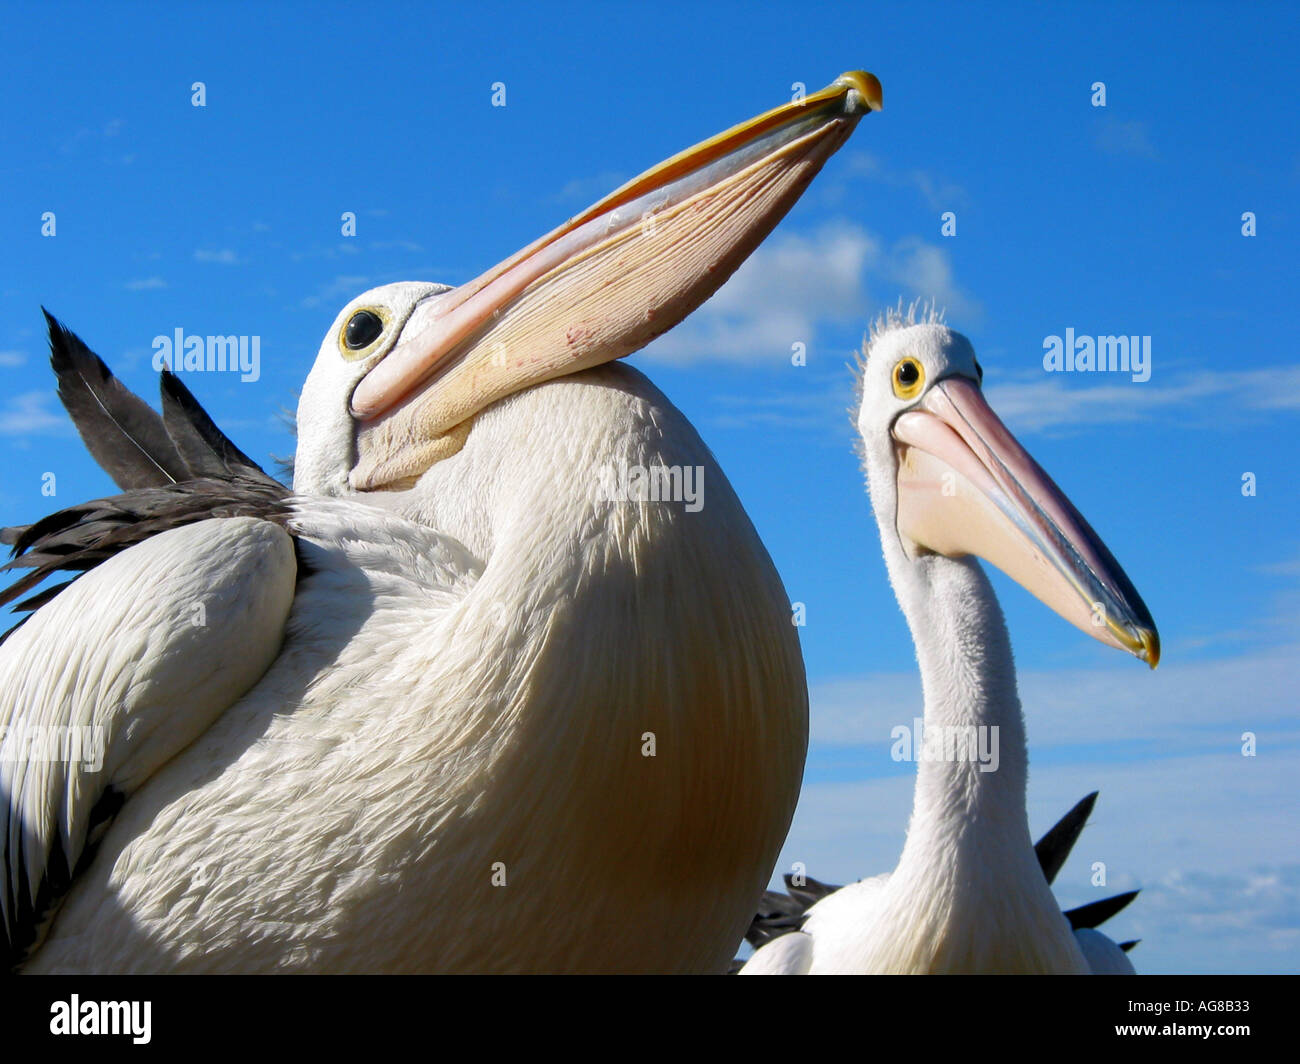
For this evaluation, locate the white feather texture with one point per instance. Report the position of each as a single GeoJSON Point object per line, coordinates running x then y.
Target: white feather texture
{"type": "Point", "coordinates": [138, 657]}
{"type": "Point", "coordinates": [469, 673]}
{"type": "Point", "coordinates": [968, 894]}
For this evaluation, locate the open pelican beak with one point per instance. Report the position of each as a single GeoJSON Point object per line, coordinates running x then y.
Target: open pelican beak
{"type": "Point", "coordinates": [965, 486]}
{"type": "Point", "coordinates": [599, 287]}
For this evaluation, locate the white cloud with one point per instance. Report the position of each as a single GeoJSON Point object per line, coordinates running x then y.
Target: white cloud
{"type": "Point", "coordinates": [1124, 138]}
{"type": "Point", "coordinates": [145, 284]}
{"type": "Point", "coordinates": [822, 408]}
{"type": "Point", "coordinates": [31, 413]}
{"type": "Point", "coordinates": [341, 289]}
{"type": "Point", "coordinates": [396, 245]}
{"type": "Point", "coordinates": [590, 189]}
{"type": "Point", "coordinates": [938, 193]}
{"type": "Point", "coordinates": [1036, 401]}
{"type": "Point", "coordinates": [223, 257]}
{"type": "Point", "coordinates": [1287, 568]}
{"type": "Point", "coordinates": [925, 270]}
{"type": "Point", "coordinates": [796, 284]}
{"type": "Point", "coordinates": [12, 359]}
{"type": "Point", "coordinates": [85, 136]}
{"type": "Point", "coordinates": [1183, 707]}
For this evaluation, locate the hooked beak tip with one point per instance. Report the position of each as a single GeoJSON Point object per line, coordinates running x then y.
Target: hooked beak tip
{"type": "Point", "coordinates": [1150, 639]}
{"type": "Point", "coordinates": [865, 93]}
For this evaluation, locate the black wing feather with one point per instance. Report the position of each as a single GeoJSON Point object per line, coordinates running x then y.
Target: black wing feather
{"type": "Point", "coordinates": [1095, 913]}
{"type": "Point", "coordinates": [177, 468]}
{"type": "Point", "coordinates": [205, 449]}
{"type": "Point", "coordinates": [1054, 848]}
{"type": "Point", "coordinates": [123, 433]}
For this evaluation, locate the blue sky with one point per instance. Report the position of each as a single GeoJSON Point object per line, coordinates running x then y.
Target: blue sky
{"type": "Point", "coordinates": [1125, 219]}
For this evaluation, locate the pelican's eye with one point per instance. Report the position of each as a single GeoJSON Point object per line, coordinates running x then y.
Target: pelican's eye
{"type": "Point", "coordinates": [361, 331]}
{"type": "Point", "coordinates": [908, 378]}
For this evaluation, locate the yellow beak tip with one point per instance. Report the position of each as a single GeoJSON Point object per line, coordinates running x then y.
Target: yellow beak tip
{"type": "Point", "coordinates": [867, 86]}
{"type": "Point", "coordinates": [1150, 647]}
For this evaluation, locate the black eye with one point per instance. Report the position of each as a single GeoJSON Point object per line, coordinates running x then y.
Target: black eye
{"type": "Point", "coordinates": [362, 330]}
{"type": "Point", "coordinates": [908, 377]}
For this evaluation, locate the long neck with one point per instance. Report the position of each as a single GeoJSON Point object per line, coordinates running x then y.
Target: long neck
{"type": "Point", "coordinates": [968, 894]}
{"type": "Point", "coordinates": [972, 765]}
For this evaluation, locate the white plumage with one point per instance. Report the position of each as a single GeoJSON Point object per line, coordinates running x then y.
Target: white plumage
{"type": "Point", "coordinates": [502, 722]}
{"type": "Point", "coordinates": [448, 700]}
{"type": "Point", "coordinates": [947, 480]}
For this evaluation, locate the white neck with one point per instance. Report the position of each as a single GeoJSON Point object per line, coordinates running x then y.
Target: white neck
{"type": "Point", "coordinates": [968, 680]}
{"type": "Point", "coordinates": [968, 852]}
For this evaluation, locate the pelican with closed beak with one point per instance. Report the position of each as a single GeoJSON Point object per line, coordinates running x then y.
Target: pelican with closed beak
{"type": "Point", "coordinates": [446, 706]}
{"type": "Point", "coordinates": [948, 484]}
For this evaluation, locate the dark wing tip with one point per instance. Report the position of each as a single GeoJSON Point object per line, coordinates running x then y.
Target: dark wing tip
{"type": "Point", "coordinates": [1128, 946]}
{"type": "Point", "coordinates": [1054, 848]}
{"type": "Point", "coordinates": [1096, 913]}
{"type": "Point", "coordinates": [779, 914]}
{"type": "Point", "coordinates": [204, 448]}
{"type": "Point", "coordinates": [808, 891]}
{"type": "Point", "coordinates": [62, 341]}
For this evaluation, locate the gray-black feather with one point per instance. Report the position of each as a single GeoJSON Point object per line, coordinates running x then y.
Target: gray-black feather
{"type": "Point", "coordinates": [123, 433]}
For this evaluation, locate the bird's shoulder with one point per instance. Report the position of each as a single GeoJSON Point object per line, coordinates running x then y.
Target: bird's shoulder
{"type": "Point", "coordinates": [349, 546]}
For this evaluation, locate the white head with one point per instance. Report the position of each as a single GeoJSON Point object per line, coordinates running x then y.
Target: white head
{"type": "Point", "coordinates": [364, 332]}
{"type": "Point", "coordinates": [405, 368]}
{"type": "Point", "coordinates": [947, 478]}
{"type": "Point", "coordinates": [905, 352]}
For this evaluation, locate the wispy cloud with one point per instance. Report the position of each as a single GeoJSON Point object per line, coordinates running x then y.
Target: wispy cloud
{"type": "Point", "coordinates": [925, 271]}
{"type": "Point", "coordinates": [1178, 710]}
{"type": "Point", "coordinates": [341, 289]}
{"type": "Point", "coordinates": [1158, 828]}
{"type": "Point", "coordinates": [796, 284]}
{"type": "Point", "coordinates": [1287, 568]}
{"type": "Point", "coordinates": [939, 194]}
{"type": "Point", "coordinates": [12, 359]}
{"type": "Point", "coordinates": [87, 135]}
{"type": "Point", "coordinates": [223, 256]}
{"type": "Point", "coordinates": [396, 245]}
{"type": "Point", "coordinates": [820, 407]}
{"type": "Point", "coordinates": [1038, 401]}
{"type": "Point", "coordinates": [590, 189]}
{"type": "Point", "coordinates": [1124, 138]}
{"type": "Point", "coordinates": [344, 247]}
{"type": "Point", "coordinates": [30, 414]}
{"type": "Point", "coordinates": [145, 284]}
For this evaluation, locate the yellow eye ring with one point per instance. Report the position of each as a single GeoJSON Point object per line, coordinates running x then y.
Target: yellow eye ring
{"type": "Point", "coordinates": [362, 332]}
{"type": "Point", "coordinates": [908, 378]}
